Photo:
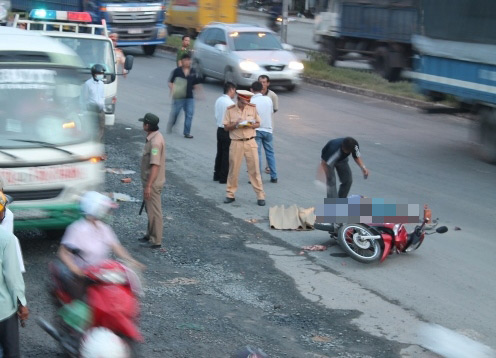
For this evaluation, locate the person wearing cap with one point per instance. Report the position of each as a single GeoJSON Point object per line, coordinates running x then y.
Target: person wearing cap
{"type": "Point", "coordinates": [182, 82]}
{"type": "Point", "coordinates": [153, 179]}
{"type": "Point", "coordinates": [221, 167]}
{"type": "Point", "coordinates": [241, 120]}
{"type": "Point", "coordinates": [7, 223]}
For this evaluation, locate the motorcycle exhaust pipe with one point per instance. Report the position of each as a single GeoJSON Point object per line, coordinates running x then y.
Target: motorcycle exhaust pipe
{"type": "Point", "coordinates": [48, 328]}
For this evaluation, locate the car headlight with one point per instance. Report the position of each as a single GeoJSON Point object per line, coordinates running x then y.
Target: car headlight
{"type": "Point", "coordinates": [249, 66]}
{"type": "Point", "coordinates": [295, 65]}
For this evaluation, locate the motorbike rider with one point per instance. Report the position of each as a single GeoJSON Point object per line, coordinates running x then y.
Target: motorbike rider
{"type": "Point", "coordinates": [89, 241]}
{"type": "Point", "coordinates": [274, 12]}
{"type": "Point", "coordinates": [93, 95]}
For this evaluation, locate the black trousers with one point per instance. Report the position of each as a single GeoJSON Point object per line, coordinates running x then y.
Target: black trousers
{"type": "Point", "coordinates": [344, 173]}
{"type": "Point", "coordinates": [9, 337]}
{"type": "Point", "coordinates": [221, 168]}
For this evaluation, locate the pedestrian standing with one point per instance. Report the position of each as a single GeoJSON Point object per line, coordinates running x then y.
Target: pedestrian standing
{"type": "Point", "coordinates": [120, 58]}
{"type": "Point", "coordinates": [12, 294]}
{"type": "Point", "coordinates": [93, 95]}
{"type": "Point", "coordinates": [335, 157]}
{"type": "Point", "coordinates": [221, 168]}
{"type": "Point", "coordinates": [264, 136]}
{"type": "Point", "coordinates": [7, 222]}
{"type": "Point", "coordinates": [265, 81]}
{"type": "Point", "coordinates": [240, 121]}
{"type": "Point", "coordinates": [182, 82]}
{"type": "Point", "coordinates": [153, 179]}
{"type": "Point", "coordinates": [185, 49]}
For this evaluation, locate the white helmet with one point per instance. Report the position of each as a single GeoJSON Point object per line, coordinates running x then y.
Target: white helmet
{"type": "Point", "coordinates": [101, 342]}
{"type": "Point", "coordinates": [96, 204]}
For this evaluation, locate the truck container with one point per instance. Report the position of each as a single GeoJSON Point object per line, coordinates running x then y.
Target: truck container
{"type": "Point", "coordinates": [190, 16]}
{"type": "Point", "coordinates": [378, 30]}
{"type": "Point", "coordinates": [136, 23]}
{"type": "Point", "coordinates": [457, 46]}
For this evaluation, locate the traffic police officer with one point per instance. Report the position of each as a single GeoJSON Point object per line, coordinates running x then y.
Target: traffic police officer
{"type": "Point", "coordinates": [153, 179]}
{"type": "Point", "coordinates": [240, 121]}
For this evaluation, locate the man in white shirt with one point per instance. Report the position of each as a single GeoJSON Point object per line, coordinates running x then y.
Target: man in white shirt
{"type": "Point", "coordinates": [221, 168]}
{"type": "Point", "coordinates": [265, 81]}
{"type": "Point", "coordinates": [264, 132]}
{"type": "Point", "coordinates": [93, 95]}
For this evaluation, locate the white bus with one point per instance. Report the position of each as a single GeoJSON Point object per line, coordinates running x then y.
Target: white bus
{"type": "Point", "coordinates": [49, 150]}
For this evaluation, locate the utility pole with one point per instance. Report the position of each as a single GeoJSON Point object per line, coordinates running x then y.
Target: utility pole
{"type": "Point", "coordinates": [284, 28]}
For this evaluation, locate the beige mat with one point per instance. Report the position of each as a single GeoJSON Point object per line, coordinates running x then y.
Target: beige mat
{"type": "Point", "coordinates": [291, 218]}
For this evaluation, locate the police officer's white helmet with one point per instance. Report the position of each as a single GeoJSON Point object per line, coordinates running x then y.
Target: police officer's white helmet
{"type": "Point", "coordinates": [100, 342]}
{"type": "Point", "coordinates": [96, 205]}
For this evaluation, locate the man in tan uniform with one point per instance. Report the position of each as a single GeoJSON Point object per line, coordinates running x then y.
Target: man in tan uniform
{"type": "Point", "coordinates": [153, 179]}
{"type": "Point", "coordinates": [240, 121]}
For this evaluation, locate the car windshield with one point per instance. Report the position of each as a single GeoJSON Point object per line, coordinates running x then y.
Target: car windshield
{"type": "Point", "coordinates": [42, 105]}
{"type": "Point", "coordinates": [92, 52]}
{"type": "Point", "coordinates": [255, 41]}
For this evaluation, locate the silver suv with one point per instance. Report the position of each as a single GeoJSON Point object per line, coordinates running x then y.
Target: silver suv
{"type": "Point", "coordinates": [240, 53]}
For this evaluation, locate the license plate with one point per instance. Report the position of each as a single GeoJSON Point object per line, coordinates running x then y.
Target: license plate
{"type": "Point", "coordinates": [135, 31]}
{"type": "Point", "coordinates": [28, 214]}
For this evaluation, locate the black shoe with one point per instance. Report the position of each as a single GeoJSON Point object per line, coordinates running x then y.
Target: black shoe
{"type": "Point", "coordinates": [144, 239]}
{"type": "Point", "coordinates": [261, 202]}
{"type": "Point", "coordinates": [273, 180]}
{"type": "Point", "coordinates": [155, 246]}
{"type": "Point", "coordinates": [189, 136]}
{"type": "Point", "coordinates": [222, 181]}
{"type": "Point", "coordinates": [228, 200]}
{"type": "Point", "coordinates": [249, 182]}
{"type": "Point", "coordinates": [216, 178]}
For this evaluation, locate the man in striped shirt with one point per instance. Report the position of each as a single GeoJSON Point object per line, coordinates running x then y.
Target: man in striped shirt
{"type": "Point", "coordinates": [335, 157]}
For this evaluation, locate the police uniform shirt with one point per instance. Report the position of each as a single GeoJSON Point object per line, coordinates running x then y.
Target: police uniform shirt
{"type": "Point", "coordinates": [333, 153]}
{"type": "Point", "coordinates": [234, 113]}
{"type": "Point", "coordinates": [154, 154]}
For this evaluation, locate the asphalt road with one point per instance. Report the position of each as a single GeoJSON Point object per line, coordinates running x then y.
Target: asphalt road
{"type": "Point", "coordinates": [424, 158]}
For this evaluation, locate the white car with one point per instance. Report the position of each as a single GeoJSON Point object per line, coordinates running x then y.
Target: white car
{"type": "Point", "coordinates": [240, 53]}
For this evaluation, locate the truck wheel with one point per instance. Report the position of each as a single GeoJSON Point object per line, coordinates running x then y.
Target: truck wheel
{"type": "Point", "coordinates": [487, 134]}
{"type": "Point", "coordinates": [149, 50]}
{"type": "Point", "coordinates": [329, 48]}
{"type": "Point", "coordinates": [382, 65]}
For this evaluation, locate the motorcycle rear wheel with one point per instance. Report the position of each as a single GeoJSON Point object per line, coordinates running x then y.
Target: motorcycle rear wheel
{"type": "Point", "coordinates": [365, 251]}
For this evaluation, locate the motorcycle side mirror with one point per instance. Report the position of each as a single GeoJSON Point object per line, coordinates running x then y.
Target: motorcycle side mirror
{"type": "Point", "coordinates": [442, 230]}
{"type": "Point", "coordinates": [128, 64]}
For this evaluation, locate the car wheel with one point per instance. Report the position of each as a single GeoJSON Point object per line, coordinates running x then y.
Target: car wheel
{"type": "Point", "coordinates": [229, 76]}
{"type": "Point", "coordinates": [291, 88]}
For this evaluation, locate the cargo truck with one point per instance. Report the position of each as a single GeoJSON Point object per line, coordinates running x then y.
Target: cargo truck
{"type": "Point", "coordinates": [190, 16]}
{"type": "Point", "coordinates": [457, 56]}
{"type": "Point", "coordinates": [138, 23]}
{"type": "Point", "coordinates": [378, 30]}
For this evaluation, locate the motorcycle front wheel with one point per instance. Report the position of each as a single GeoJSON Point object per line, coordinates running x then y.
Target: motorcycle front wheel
{"type": "Point", "coordinates": [363, 250]}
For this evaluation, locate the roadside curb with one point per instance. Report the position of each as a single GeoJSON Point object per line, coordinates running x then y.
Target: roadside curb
{"type": "Point", "coordinates": [369, 93]}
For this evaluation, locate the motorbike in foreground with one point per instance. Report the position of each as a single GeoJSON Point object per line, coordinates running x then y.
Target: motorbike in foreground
{"type": "Point", "coordinates": [105, 320]}
{"type": "Point", "coordinates": [369, 243]}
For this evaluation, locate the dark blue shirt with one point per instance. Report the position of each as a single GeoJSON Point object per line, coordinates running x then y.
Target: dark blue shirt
{"type": "Point", "coordinates": [332, 152]}
{"type": "Point", "coordinates": [192, 79]}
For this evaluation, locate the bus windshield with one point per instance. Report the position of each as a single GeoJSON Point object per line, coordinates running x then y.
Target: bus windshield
{"type": "Point", "coordinates": [92, 51]}
{"type": "Point", "coordinates": [40, 106]}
